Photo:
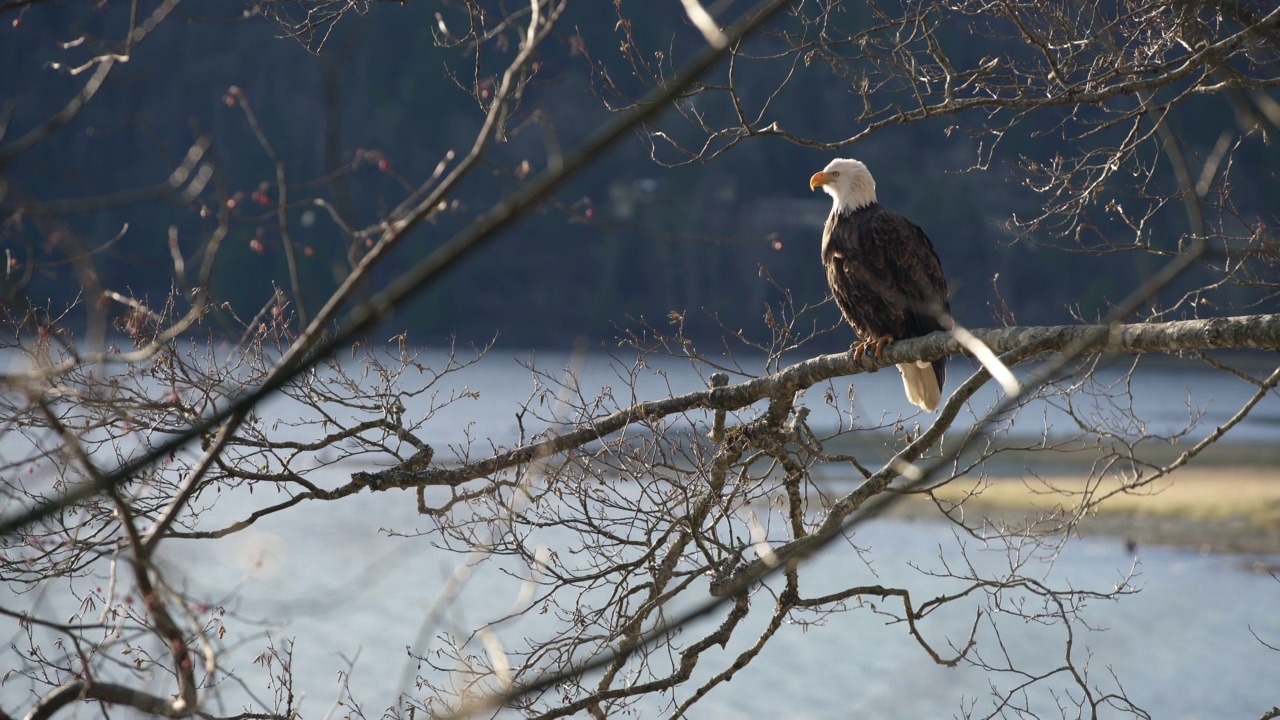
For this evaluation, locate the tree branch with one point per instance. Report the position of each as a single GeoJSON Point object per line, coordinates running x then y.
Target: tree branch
{"type": "Point", "coordinates": [1250, 331]}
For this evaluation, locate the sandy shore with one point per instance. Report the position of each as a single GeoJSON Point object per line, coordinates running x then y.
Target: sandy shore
{"type": "Point", "coordinates": [1214, 508]}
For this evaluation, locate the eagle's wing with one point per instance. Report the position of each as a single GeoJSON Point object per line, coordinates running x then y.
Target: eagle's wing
{"type": "Point", "coordinates": [917, 276]}
{"type": "Point", "coordinates": [913, 271]}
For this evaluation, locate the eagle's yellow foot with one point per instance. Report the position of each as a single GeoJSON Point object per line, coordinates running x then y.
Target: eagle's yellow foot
{"type": "Point", "coordinates": [877, 344]}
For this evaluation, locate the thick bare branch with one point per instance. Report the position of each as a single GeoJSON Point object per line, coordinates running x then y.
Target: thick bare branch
{"type": "Point", "coordinates": [1254, 331]}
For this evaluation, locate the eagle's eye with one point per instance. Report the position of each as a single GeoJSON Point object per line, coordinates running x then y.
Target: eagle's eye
{"type": "Point", "coordinates": [834, 173]}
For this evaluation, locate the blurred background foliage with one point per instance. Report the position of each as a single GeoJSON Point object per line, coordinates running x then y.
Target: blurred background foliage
{"type": "Point", "coordinates": [632, 238]}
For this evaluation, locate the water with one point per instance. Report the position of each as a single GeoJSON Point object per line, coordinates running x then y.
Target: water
{"type": "Point", "coordinates": [353, 597]}
{"type": "Point", "coordinates": [1163, 399]}
{"type": "Point", "coordinates": [1181, 646]}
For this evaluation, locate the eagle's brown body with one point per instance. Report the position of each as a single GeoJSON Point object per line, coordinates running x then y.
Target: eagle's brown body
{"type": "Point", "coordinates": [884, 274]}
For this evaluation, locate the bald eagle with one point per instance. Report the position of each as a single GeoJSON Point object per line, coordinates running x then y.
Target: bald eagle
{"type": "Point", "coordinates": [884, 274]}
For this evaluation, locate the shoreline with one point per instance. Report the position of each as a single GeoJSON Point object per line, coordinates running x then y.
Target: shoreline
{"type": "Point", "coordinates": [1212, 508]}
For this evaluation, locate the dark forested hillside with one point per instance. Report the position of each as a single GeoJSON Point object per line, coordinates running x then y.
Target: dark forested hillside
{"type": "Point", "coordinates": [386, 96]}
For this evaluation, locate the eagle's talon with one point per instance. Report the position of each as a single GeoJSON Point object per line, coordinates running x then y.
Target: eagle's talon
{"type": "Point", "coordinates": [878, 344]}
{"type": "Point", "coordinates": [856, 350]}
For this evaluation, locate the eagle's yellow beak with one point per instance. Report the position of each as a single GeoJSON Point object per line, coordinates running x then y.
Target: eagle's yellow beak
{"type": "Point", "coordinates": [818, 180]}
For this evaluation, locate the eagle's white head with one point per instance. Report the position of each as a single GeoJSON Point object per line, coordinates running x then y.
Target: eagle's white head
{"type": "Point", "coordinates": [848, 182]}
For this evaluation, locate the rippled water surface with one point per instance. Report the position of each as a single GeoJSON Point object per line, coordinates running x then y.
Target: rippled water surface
{"type": "Point", "coordinates": [327, 576]}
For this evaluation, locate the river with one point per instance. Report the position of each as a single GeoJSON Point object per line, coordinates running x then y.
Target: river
{"type": "Point", "coordinates": [327, 576]}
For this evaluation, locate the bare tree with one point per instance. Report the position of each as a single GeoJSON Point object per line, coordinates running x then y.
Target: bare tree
{"type": "Point", "coordinates": [664, 538]}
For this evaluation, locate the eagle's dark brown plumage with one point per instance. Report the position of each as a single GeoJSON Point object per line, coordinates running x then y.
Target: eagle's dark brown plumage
{"type": "Point", "coordinates": [883, 271]}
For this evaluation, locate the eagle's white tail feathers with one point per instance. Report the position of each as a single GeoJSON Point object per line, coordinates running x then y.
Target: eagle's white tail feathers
{"type": "Point", "coordinates": [921, 384]}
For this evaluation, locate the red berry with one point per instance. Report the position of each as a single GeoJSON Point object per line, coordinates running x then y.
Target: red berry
{"type": "Point", "coordinates": [256, 246]}
{"type": "Point", "coordinates": [308, 251]}
{"type": "Point", "coordinates": [383, 165]}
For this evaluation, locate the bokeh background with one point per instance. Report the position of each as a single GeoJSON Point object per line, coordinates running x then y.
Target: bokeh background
{"type": "Point", "coordinates": [631, 238]}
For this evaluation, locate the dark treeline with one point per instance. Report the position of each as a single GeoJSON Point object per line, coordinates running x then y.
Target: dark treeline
{"type": "Point", "coordinates": [633, 238]}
